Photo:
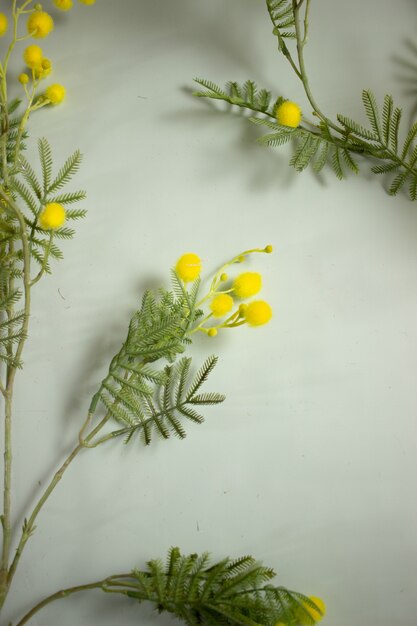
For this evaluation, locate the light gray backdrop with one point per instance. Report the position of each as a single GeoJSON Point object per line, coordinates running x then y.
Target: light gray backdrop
{"type": "Point", "coordinates": [310, 464]}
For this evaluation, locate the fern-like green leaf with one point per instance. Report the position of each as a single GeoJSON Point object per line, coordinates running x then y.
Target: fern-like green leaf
{"type": "Point", "coordinates": [305, 151]}
{"type": "Point", "coordinates": [336, 164]}
{"type": "Point", "coordinates": [144, 410]}
{"type": "Point", "coordinates": [397, 183]}
{"type": "Point", "coordinates": [211, 90]}
{"type": "Point", "coordinates": [411, 135]}
{"type": "Point", "coordinates": [323, 154]}
{"type": "Point", "coordinates": [29, 175]}
{"type": "Point", "coordinates": [67, 171]}
{"type": "Point", "coordinates": [227, 593]}
{"type": "Point", "coordinates": [350, 161]}
{"type": "Point", "coordinates": [353, 127]}
{"type": "Point", "coordinates": [25, 193]}
{"type": "Point", "coordinates": [71, 198]}
{"type": "Point", "coordinates": [45, 156]}
{"type": "Point", "coordinates": [372, 112]}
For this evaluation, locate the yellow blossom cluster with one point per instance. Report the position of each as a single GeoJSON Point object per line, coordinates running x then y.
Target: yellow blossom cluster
{"type": "Point", "coordinates": [39, 24]}
{"type": "Point", "coordinates": [221, 299]}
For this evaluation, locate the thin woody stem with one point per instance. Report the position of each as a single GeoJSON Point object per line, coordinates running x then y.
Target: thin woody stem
{"type": "Point", "coordinates": [29, 526]}
{"type": "Point", "coordinates": [104, 585]}
{"type": "Point", "coordinates": [63, 593]}
{"type": "Point", "coordinates": [8, 393]}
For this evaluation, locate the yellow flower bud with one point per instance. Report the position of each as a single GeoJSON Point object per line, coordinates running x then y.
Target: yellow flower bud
{"type": "Point", "coordinates": [33, 56]}
{"type": "Point", "coordinates": [257, 313]}
{"type": "Point", "coordinates": [212, 332]}
{"type": "Point", "coordinates": [288, 114]}
{"type": "Point", "coordinates": [55, 93]}
{"type": "Point", "coordinates": [223, 277]}
{"type": "Point", "coordinates": [268, 249]}
{"type": "Point", "coordinates": [63, 5]}
{"type": "Point", "coordinates": [188, 267]}
{"type": "Point", "coordinates": [52, 216]}
{"type": "Point", "coordinates": [44, 70]}
{"type": "Point", "coordinates": [247, 284]}
{"type": "Point", "coordinates": [221, 304]}
{"type": "Point", "coordinates": [40, 24]}
{"type": "Point", "coordinates": [23, 79]}
{"type": "Point", "coordinates": [4, 22]}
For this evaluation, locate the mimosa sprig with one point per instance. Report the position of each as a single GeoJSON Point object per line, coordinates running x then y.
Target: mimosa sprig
{"type": "Point", "coordinates": [318, 140]}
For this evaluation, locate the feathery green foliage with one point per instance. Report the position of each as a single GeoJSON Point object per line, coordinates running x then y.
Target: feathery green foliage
{"type": "Point", "coordinates": [143, 398]}
{"type": "Point", "coordinates": [35, 194]}
{"type": "Point", "coordinates": [145, 409]}
{"type": "Point", "coordinates": [324, 142]}
{"type": "Point", "coordinates": [228, 593]}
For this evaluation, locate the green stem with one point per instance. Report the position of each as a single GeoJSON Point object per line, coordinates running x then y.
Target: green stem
{"type": "Point", "coordinates": [44, 262]}
{"type": "Point", "coordinates": [301, 39]}
{"type": "Point", "coordinates": [63, 593]}
{"type": "Point", "coordinates": [29, 526]}
{"type": "Point", "coordinates": [11, 373]}
{"type": "Point", "coordinates": [282, 46]}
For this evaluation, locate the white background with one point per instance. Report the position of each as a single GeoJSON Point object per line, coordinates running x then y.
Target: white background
{"type": "Point", "coordinates": [310, 463]}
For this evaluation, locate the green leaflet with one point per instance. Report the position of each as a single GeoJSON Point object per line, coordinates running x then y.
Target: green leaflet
{"type": "Point", "coordinates": [158, 409]}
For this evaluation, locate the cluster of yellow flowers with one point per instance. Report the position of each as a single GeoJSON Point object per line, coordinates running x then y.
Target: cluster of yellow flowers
{"type": "Point", "coordinates": [221, 300]}
{"type": "Point", "coordinates": [39, 25]}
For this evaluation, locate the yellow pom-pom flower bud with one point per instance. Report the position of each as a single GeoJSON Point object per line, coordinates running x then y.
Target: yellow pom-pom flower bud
{"type": "Point", "coordinates": [188, 267]}
{"type": "Point", "coordinates": [38, 6]}
{"type": "Point", "coordinates": [315, 614]}
{"type": "Point", "coordinates": [23, 78]}
{"type": "Point", "coordinates": [221, 304]}
{"type": "Point", "coordinates": [4, 22]}
{"type": "Point", "coordinates": [55, 93]}
{"type": "Point", "coordinates": [63, 5]}
{"type": "Point", "coordinates": [40, 24]}
{"type": "Point", "coordinates": [212, 332]}
{"type": "Point", "coordinates": [257, 313]}
{"type": "Point", "coordinates": [223, 277]}
{"type": "Point", "coordinates": [268, 249]}
{"type": "Point", "coordinates": [247, 284]}
{"type": "Point", "coordinates": [33, 56]}
{"type": "Point", "coordinates": [288, 114]}
{"type": "Point", "coordinates": [52, 216]}
{"type": "Point", "coordinates": [44, 70]}
{"type": "Point", "coordinates": [87, 2]}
